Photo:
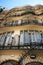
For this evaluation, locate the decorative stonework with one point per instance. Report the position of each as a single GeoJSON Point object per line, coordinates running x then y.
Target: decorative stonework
{"type": "Point", "coordinates": [39, 58]}
{"type": "Point", "coordinates": [9, 57]}
{"type": "Point", "coordinates": [26, 59]}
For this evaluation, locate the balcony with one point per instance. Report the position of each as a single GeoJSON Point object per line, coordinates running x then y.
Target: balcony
{"type": "Point", "coordinates": [21, 40]}
{"type": "Point", "coordinates": [21, 23]}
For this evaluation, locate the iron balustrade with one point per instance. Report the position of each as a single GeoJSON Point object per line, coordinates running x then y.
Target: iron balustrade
{"type": "Point", "coordinates": [39, 46]}
{"type": "Point", "coordinates": [22, 22]}
{"type": "Point", "coordinates": [24, 40]}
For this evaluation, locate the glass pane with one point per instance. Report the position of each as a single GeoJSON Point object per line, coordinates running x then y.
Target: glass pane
{"type": "Point", "coordinates": [14, 23]}
{"type": "Point", "coordinates": [42, 38]}
{"type": "Point", "coordinates": [38, 37]}
{"type": "Point", "coordinates": [26, 38]}
{"type": "Point", "coordinates": [19, 22]}
{"type": "Point", "coordinates": [32, 37]}
{"type": "Point", "coordinates": [16, 40]}
{"type": "Point", "coordinates": [8, 39]}
{"type": "Point", "coordinates": [0, 39]}
{"type": "Point", "coordinates": [10, 63]}
{"type": "Point", "coordinates": [21, 38]}
{"type": "Point", "coordinates": [35, 64]}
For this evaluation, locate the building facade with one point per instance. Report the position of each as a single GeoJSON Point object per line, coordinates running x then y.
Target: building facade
{"type": "Point", "coordinates": [21, 36]}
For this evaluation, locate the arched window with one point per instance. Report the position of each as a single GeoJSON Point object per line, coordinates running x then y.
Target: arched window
{"type": "Point", "coordinates": [10, 62]}
{"type": "Point", "coordinates": [34, 63]}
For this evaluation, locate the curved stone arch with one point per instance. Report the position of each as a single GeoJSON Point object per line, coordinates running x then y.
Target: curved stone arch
{"type": "Point", "coordinates": [8, 57]}
{"type": "Point", "coordinates": [10, 60]}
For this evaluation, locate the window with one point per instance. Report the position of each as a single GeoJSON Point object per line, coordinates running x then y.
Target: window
{"type": "Point", "coordinates": [26, 38]}
{"type": "Point", "coordinates": [22, 38]}
{"type": "Point", "coordinates": [13, 40]}
{"type": "Point", "coordinates": [23, 22]}
{"type": "Point", "coordinates": [35, 37]}
{"type": "Point", "coordinates": [19, 22]}
{"type": "Point", "coordinates": [26, 21]}
{"type": "Point", "coordinates": [34, 63]}
{"type": "Point", "coordinates": [36, 22]}
{"type": "Point", "coordinates": [32, 37]}
{"type": "Point", "coordinates": [4, 35]}
{"type": "Point", "coordinates": [9, 62]}
{"type": "Point", "coordinates": [1, 25]}
{"type": "Point", "coordinates": [0, 39]}
{"type": "Point", "coordinates": [38, 37]}
{"type": "Point", "coordinates": [14, 23]}
{"type": "Point", "coordinates": [42, 37]}
{"type": "Point", "coordinates": [10, 23]}
{"type": "Point", "coordinates": [39, 22]}
{"type": "Point", "coordinates": [16, 40]}
{"type": "Point", "coordinates": [8, 39]}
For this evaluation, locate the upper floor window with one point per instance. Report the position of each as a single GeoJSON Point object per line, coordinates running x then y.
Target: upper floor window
{"type": "Point", "coordinates": [19, 22]}
{"type": "Point", "coordinates": [40, 22]}
{"type": "Point", "coordinates": [13, 23]}
{"type": "Point", "coordinates": [16, 22]}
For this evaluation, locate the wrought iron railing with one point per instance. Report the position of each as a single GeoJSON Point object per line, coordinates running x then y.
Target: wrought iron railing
{"type": "Point", "coordinates": [13, 23]}
{"type": "Point", "coordinates": [22, 47]}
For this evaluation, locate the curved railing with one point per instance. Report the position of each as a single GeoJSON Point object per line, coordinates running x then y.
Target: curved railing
{"type": "Point", "coordinates": [21, 23]}
{"type": "Point", "coordinates": [21, 40]}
